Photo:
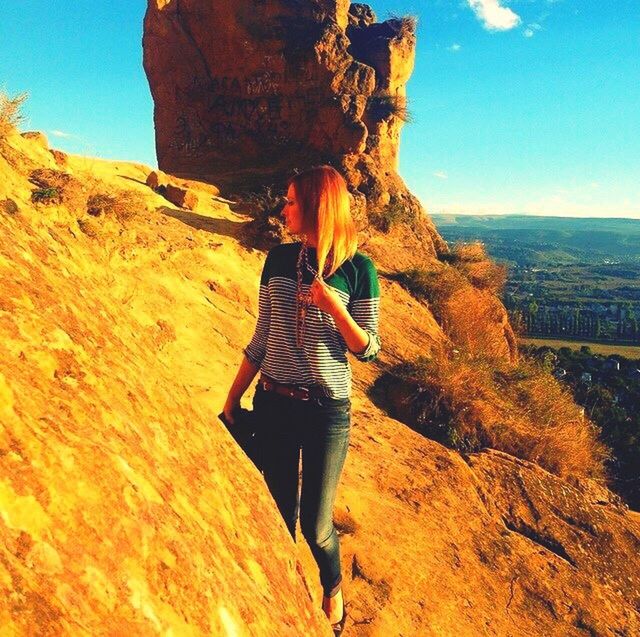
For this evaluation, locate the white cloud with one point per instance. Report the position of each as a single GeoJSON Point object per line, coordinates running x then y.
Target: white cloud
{"type": "Point", "coordinates": [494, 16]}
{"type": "Point", "coordinates": [440, 174]}
{"type": "Point", "coordinates": [454, 47]}
{"type": "Point", "coordinates": [583, 199]}
{"type": "Point", "coordinates": [59, 133]}
{"type": "Point", "coordinates": [531, 29]}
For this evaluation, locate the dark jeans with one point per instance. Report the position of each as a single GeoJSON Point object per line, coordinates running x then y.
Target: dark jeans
{"type": "Point", "coordinates": [320, 428]}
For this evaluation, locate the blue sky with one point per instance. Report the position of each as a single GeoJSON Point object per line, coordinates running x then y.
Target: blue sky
{"type": "Point", "coordinates": [523, 106]}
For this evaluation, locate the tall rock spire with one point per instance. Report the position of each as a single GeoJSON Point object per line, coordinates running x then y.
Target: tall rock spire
{"type": "Point", "coordinates": [248, 91]}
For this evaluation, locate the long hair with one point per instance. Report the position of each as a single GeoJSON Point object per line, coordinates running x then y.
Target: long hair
{"type": "Point", "coordinates": [324, 201]}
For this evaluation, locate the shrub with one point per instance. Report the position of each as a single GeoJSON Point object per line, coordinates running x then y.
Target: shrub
{"type": "Point", "coordinates": [264, 203]}
{"type": "Point", "coordinates": [433, 286]}
{"type": "Point", "coordinates": [393, 213]}
{"type": "Point", "coordinates": [9, 207]}
{"type": "Point", "coordinates": [11, 112]}
{"type": "Point", "coordinates": [122, 206]}
{"type": "Point", "coordinates": [486, 275]}
{"type": "Point", "coordinates": [470, 252]}
{"type": "Point", "coordinates": [54, 186]}
{"type": "Point", "coordinates": [404, 26]}
{"type": "Point", "coordinates": [472, 260]}
{"type": "Point", "coordinates": [382, 106]}
{"type": "Point", "coordinates": [46, 195]}
{"type": "Point", "coordinates": [265, 207]}
{"type": "Point", "coordinates": [47, 178]}
{"type": "Point", "coordinates": [469, 402]}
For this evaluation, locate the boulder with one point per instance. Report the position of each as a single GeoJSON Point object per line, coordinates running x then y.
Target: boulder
{"type": "Point", "coordinates": [157, 178]}
{"type": "Point", "coordinates": [282, 86]}
{"type": "Point", "coordinates": [181, 197]}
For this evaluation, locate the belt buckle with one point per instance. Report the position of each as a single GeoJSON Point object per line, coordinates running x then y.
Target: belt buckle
{"type": "Point", "coordinates": [306, 390]}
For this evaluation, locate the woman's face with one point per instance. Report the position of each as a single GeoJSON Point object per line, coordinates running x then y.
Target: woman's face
{"type": "Point", "coordinates": [292, 212]}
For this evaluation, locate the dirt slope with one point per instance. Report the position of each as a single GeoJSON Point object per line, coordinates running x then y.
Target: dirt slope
{"type": "Point", "coordinates": [127, 509]}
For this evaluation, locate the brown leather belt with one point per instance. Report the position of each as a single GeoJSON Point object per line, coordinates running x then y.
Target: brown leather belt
{"type": "Point", "coordinates": [299, 392]}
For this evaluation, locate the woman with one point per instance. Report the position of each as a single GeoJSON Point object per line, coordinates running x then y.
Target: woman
{"type": "Point", "coordinates": [306, 323]}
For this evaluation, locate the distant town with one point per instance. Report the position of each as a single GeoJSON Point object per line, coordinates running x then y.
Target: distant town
{"type": "Point", "coordinates": [568, 278]}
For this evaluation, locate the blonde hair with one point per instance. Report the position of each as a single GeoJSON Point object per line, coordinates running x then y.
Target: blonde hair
{"type": "Point", "coordinates": [323, 198]}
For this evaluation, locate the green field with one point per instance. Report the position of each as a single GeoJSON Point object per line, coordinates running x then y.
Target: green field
{"type": "Point", "coordinates": [628, 351]}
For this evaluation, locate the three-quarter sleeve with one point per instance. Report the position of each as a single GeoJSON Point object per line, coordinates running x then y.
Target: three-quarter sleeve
{"type": "Point", "coordinates": [257, 347]}
{"type": "Point", "coordinates": [364, 307]}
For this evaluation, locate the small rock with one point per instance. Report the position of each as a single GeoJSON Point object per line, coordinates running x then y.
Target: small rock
{"type": "Point", "coordinates": [37, 136]}
{"type": "Point", "coordinates": [59, 157]}
{"type": "Point", "coordinates": [182, 197]}
{"type": "Point", "coordinates": [9, 206]}
{"type": "Point", "coordinates": [157, 178]}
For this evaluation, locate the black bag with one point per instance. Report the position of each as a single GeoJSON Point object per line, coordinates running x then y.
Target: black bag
{"type": "Point", "coordinates": [244, 431]}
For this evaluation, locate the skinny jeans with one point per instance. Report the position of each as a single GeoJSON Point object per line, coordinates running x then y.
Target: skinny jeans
{"type": "Point", "coordinates": [319, 429]}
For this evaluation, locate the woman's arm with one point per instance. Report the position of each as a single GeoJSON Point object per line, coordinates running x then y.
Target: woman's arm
{"type": "Point", "coordinates": [355, 337]}
{"type": "Point", "coordinates": [254, 352]}
{"type": "Point", "coordinates": [246, 373]}
{"type": "Point", "coordinates": [359, 324]}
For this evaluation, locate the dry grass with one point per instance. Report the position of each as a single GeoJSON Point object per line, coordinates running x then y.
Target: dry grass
{"type": "Point", "coordinates": [55, 187]}
{"type": "Point", "coordinates": [470, 252]}
{"type": "Point", "coordinates": [486, 275]}
{"type": "Point", "coordinates": [433, 286]}
{"type": "Point", "coordinates": [123, 206]}
{"type": "Point", "coordinates": [469, 402]}
{"type": "Point", "coordinates": [476, 321]}
{"type": "Point", "coordinates": [84, 197]}
{"type": "Point", "coordinates": [468, 310]}
{"type": "Point", "coordinates": [11, 112]}
{"type": "Point", "coordinates": [404, 26]}
{"type": "Point", "coordinates": [382, 106]}
{"type": "Point", "coordinates": [474, 262]}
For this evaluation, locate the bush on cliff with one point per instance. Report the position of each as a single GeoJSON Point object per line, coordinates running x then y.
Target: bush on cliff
{"type": "Point", "coordinates": [405, 25]}
{"type": "Point", "coordinates": [473, 261]}
{"type": "Point", "coordinates": [11, 115]}
{"type": "Point", "coordinates": [55, 186]}
{"type": "Point", "coordinates": [468, 402]}
{"type": "Point", "coordinates": [123, 206]}
{"type": "Point", "coordinates": [395, 212]}
{"type": "Point", "coordinates": [381, 106]}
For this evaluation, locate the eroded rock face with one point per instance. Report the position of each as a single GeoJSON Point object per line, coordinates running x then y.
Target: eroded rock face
{"type": "Point", "coordinates": [253, 90]}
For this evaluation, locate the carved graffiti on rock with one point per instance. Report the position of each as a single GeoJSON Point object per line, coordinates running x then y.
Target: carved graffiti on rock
{"type": "Point", "coordinates": [261, 83]}
{"type": "Point", "coordinates": [234, 107]}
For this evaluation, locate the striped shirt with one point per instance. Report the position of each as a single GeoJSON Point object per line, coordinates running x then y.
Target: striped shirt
{"type": "Point", "coordinates": [322, 358]}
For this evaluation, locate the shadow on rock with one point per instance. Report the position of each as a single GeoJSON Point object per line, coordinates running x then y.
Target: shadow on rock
{"type": "Point", "coordinates": [234, 229]}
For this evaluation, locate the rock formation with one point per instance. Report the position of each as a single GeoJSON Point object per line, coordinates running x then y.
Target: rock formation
{"type": "Point", "coordinates": [247, 91]}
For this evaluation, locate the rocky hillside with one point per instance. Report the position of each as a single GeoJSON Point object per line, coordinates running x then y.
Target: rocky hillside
{"type": "Point", "coordinates": [127, 508]}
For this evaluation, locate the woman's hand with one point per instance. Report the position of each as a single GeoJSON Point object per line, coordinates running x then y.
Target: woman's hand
{"type": "Point", "coordinates": [324, 297]}
{"type": "Point", "coordinates": [229, 407]}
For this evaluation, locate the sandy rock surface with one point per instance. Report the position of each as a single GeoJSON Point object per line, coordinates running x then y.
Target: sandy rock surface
{"type": "Point", "coordinates": [127, 509]}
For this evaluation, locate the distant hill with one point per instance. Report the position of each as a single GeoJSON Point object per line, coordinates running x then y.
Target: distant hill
{"type": "Point", "coordinates": [528, 240]}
